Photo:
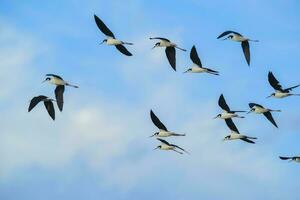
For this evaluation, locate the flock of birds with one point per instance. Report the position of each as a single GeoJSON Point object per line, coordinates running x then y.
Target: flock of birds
{"type": "Point", "coordinates": [170, 50]}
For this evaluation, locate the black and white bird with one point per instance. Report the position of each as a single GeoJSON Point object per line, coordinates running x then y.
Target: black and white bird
{"type": "Point", "coordinates": [227, 114]}
{"type": "Point", "coordinates": [163, 131]}
{"type": "Point", "coordinates": [279, 92]}
{"type": "Point", "coordinates": [259, 109]}
{"type": "Point", "coordinates": [170, 49]}
{"type": "Point", "coordinates": [197, 65]}
{"type": "Point", "coordinates": [60, 88]}
{"type": "Point", "coordinates": [167, 146]}
{"type": "Point", "coordinates": [294, 158]}
{"type": "Point", "coordinates": [47, 102]}
{"type": "Point", "coordinates": [235, 134]}
{"type": "Point", "coordinates": [111, 40]}
{"type": "Point", "coordinates": [237, 37]}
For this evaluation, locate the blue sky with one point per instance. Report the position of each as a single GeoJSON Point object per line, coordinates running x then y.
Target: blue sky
{"type": "Point", "coordinates": [98, 148]}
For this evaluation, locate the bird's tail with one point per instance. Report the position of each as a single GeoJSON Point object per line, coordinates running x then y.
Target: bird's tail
{"type": "Point", "coordinates": [254, 40]}
{"type": "Point", "coordinates": [295, 94]}
{"type": "Point", "coordinates": [128, 43]}
{"type": "Point", "coordinates": [210, 71]}
{"type": "Point", "coordinates": [180, 48]}
{"type": "Point", "coordinates": [253, 138]}
{"type": "Point", "coordinates": [275, 110]}
{"type": "Point", "coordinates": [176, 134]}
{"type": "Point", "coordinates": [74, 86]}
{"type": "Point", "coordinates": [240, 116]}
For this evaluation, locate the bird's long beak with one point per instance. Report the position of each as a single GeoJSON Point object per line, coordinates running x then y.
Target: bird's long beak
{"type": "Point", "coordinates": [216, 117]}
{"type": "Point", "coordinates": [151, 135]}
{"type": "Point", "coordinates": [225, 38]}
{"type": "Point", "coordinates": [44, 81]}
{"type": "Point", "coordinates": [155, 148]}
{"type": "Point", "coordinates": [153, 47]}
{"type": "Point", "coordinates": [102, 42]}
{"type": "Point", "coordinates": [186, 71]}
{"type": "Point", "coordinates": [268, 96]}
{"type": "Point", "coordinates": [249, 111]}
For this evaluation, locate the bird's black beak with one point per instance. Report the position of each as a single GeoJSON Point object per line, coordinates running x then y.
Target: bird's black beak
{"type": "Point", "coordinates": [154, 47]}
{"type": "Point", "coordinates": [216, 117]}
{"type": "Point", "coordinates": [155, 148]}
{"type": "Point", "coordinates": [249, 111]}
{"type": "Point", "coordinates": [152, 135]}
{"type": "Point", "coordinates": [102, 42]}
{"type": "Point", "coordinates": [44, 81]}
{"type": "Point", "coordinates": [269, 96]}
{"type": "Point", "coordinates": [186, 71]}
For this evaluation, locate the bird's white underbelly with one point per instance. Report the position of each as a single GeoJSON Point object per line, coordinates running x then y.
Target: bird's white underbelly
{"type": "Point", "coordinates": [198, 70]}
{"type": "Point", "coordinates": [166, 147]}
{"type": "Point", "coordinates": [228, 115]}
{"type": "Point", "coordinates": [164, 43]}
{"type": "Point", "coordinates": [260, 110]}
{"type": "Point", "coordinates": [56, 81]}
{"type": "Point", "coordinates": [281, 94]}
{"type": "Point", "coordinates": [238, 38]}
{"type": "Point", "coordinates": [112, 41]}
{"type": "Point", "coordinates": [235, 136]}
{"type": "Point", "coordinates": [164, 134]}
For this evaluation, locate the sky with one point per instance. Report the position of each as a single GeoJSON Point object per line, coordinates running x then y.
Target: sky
{"type": "Point", "coordinates": [98, 147]}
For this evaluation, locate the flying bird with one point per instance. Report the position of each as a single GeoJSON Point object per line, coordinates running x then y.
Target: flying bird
{"type": "Point", "coordinates": [111, 40]}
{"type": "Point", "coordinates": [235, 134]}
{"type": "Point", "coordinates": [259, 109]}
{"type": "Point", "coordinates": [294, 158]}
{"type": "Point", "coordinates": [234, 36]}
{"type": "Point", "coordinates": [279, 92]}
{"type": "Point", "coordinates": [163, 131]}
{"type": "Point", "coordinates": [60, 88]}
{"type": "Point", "coordinates": [197, 65]}
{"type": "Point", "coordinates": [227, 114]}
{"type": "Point", "coordinates": [167, 146]}
{"type": "Point", "coordinates": [47, 102]}
{"type": "Point", "coordinates": [170, 49]}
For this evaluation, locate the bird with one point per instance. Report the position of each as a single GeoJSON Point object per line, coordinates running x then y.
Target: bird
{"type": "Point", "coordinates": [279, 92]}
{"type": "Point", "coordinates": [227, 114]}
{"type": "Point", "coordinates": [60, 88]}
{"type": "Point", "coordinates": [170, 49]}
{"type": "Point", "coordinates": [47, 102]}
{"type": "Point", "coordinates": [259, 109]}
{"type": "Point", "coordinates": [111, 40]}
{"type": "Point", "coordinates": [294, 158]}
{"type": "Point", "coordinates": [167, 146]}
{"type": "Point", "coordinates": [235, 134]}
{"type": "Point", "coordinates": [163, 131]}
{"type": "Point", "coordinates": [197, 65]}
{"type": "Point", "coordinates": [234, 36]}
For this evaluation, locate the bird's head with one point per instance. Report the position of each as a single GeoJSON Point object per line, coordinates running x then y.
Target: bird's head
{"type": "Point", "coordinates": [47, 79]}
{"type": "Point", "coordinates": [156, 45]}
{"type": "Point", "coordinates": [188, 70]}
{"type": "Point", "coordinates": [251, 110]}
{"type": "Point", "coordinates": [229, 37]}
{"type": "Point", "coordinates": [158, 147]}
{"type": "Point", "coordinates": [105, 40]}
{"type": "Point", "coordinates": [272, 95]}
{"type": "Point", "coordinates": [155, 134]}
{"type": "Point", "coordinates": [226, 138]}
{"type": "Point", "coordinates": [218, 116]}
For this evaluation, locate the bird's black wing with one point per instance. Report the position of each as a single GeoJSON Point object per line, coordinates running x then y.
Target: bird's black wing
{"type": "Point", "coordinates": [157, 122]}
{"type": "Point", "coordinates": [171, 55]}
{"type": "Point", "coordinates": [268, 115]}
{"type": "Point", "coordinates": [274, 82]}
{"type": "Point", "coordinates": [59, 95]}
{"type": "Point", "coordinates": [103, 28]}
{"type": "Point", "coordinates": [194, 57]}
{"type": "Point", "coordinates": [247, 140]}
{"type": "Point", "coordinates": [251, 105]}
{"type": "Point", "coordinates": [291, 88]}
{"type": "Point", "coordinates": [231, 125]}
{"type": "Point", "coordinates": [228, 32]}
{"type": "Point", "coordinates": [246, 50]}
{"type": "Point", "coordinates": [35, 100]}
{"type": "Point", "coordinates": [285, 158]}
{"type": "Point", "coordinates": [164, 141]}
{"type": "Point", "coordinates": [50, 108]}
{"type": "Point", "coordinates": [179, 148]}
{"type": "Point", "coordinates": [160, 38]}
{"type": "Point", "coordinates": [222, 103]}
{"type": "Point", "coordinates": [123, 50]}
{"type": "Point", "coordinates": [54, 75]}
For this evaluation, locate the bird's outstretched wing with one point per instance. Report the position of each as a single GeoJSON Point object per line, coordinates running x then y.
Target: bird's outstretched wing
{"type": "Point", "coordinates": [285, 158]}
{"type": "Point", "coordinates": [194, 57]}
{"type": "Point", "coordinates": [246, 50]}
{"type": "Point", "coordinates": [159, 38]}
{"type": "Point", "coordinates": [157, 122]}
{"type": "Point", "coordinates": [171, 55]}
{"type": "Point", "coordinates": [164, 141]}
{"type": "Point", "coordinates": [231, 125]}
{"type": "Point", "coordinates": [268, 115]}
{"type": "Point", "coordinates": [103, 28]}
{"type": "Point", "coordinates": [247, 140]}
{"type": "Point", "coordinates": [35, 100]}
{"type": "Point", "coordinates": [251, 105]}
{"type": "Point", "coordinates": [50, 109]}
{"type": "Point", "coordinates": [123, 50]}
{"type": "Point", "coordinates": [291, 88]}
{"type": "Point", "coordinates": [274, 82]}
{"type": "Point", "coordinates": [228, 32]}
{"type": "Point", "coordinates": [59, 95]}
{"type": "Point", "coordinates": [222, 103]}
